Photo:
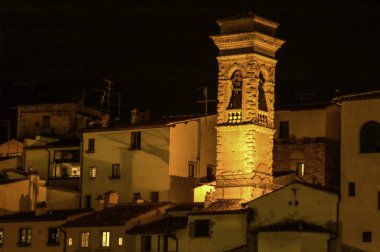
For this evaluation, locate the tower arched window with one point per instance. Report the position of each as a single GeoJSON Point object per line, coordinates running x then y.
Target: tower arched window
{"type": "Point", "coordinates": [370, 137]}
{"type": "Point", "coordinates": [236, 95]}
{"type": "Point", "coordinates": [262, 100]}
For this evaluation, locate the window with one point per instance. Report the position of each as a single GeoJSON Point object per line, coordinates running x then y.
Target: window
{"type": "Point", "coordinates": [69, 241]}
{"type": "Point", "coordinates": [370, 137]}
{"type": "Point", "coordinates": [210, 173]}
{"type": "Point", "coordinates": [1, 237]}
{"type": "Point", "coordinates": [284, 130]}
{"type": "Point", "coordinates": [154, 197]}
{"type": "Point", "coordinates": [92, 171]}
{"type": "Point", "coordinates": [367, 236]}
{"type": "Point", "coordinates": [91, 145]}
{"type": "Point", "coordinates": [262, 100]}
{"type": "Point", "coordinates": [135, 140]}
{"type": "Point", "coordinates": [115, 171]}
{"type": "Point", "coordinates": [351, 189]}
{"type": "Point", "coordinates": [146, 243]}
{"type": "Point", "coordinates": [300, 169]}
{"type": "Point", "coordinates": [191, 169]}
{"type": "Point", "coordinates": [25, 237]}
{"type": "Point", "coordinates": [162, 243]}
{"type": "Point", "coordinates": [200, 228]}
{"type": "Point", "coordinates": [236, 94]}
{"type": "Point", "coordinates": [120, 241]}
{"type": "Point", "coordinates": [105, 239]}
{"type": "Point", "coordinates": [53, 238]}
{"type": "Point", "coordinates": [85, 240]}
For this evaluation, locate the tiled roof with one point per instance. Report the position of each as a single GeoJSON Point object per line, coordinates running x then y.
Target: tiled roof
{"type": "Point", "coordinates": [375, 94]}
{"type": "Point", "coordinates": [186, 207]}
{"type": "Point", "coordinates": [222, 206]}
{"type": "Point", "coordinates": [52, 215]}
{"type": "Point", "coordinates": [163, 226]}
{"type": "Point", "coordinates": [114, 216]}
{"type": "Point", "coordinates": [291, 225]}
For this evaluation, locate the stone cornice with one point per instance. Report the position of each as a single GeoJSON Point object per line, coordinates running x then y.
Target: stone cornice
{"type": "Point", "coordinates": [228, 41]}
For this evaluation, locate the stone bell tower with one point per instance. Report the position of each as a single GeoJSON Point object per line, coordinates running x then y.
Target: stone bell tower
{"type": "Point", "coordinates": [247, 47]}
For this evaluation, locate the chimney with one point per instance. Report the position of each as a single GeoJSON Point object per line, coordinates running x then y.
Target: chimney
{"type": "Point", "coordinates": [41, 208]}
{"type": "Point", "coordinates": [135, 116]}
{"type": "Point", "coordinates": [111, 198]}
{"type": "Point", "coordinates": [138, 116]}
{"type": "Point", "coordinates": [99, 203]}
{"type": "Point", "coordinates": [105, 122]}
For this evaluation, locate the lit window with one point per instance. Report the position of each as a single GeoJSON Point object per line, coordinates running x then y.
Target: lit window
{"type": "Point", "coordinates": [162, 243]}
{"type": "Point", "coordinates": [70, 241]}
{"type": "Point", "coordinates": [191, 166]}
{"type": "Point", "coordinates": [53, 238]}
{"type": "Point", "coordinates": [146, 243]}
{"type": "Point", "coordinates": [351, 189]}
{"type": "Point", "coordinates": [92, 171]}
{"type": "Point", "coordinates": [370, 137]}
{"type": "Point", "coordinates": [120, 241]}
{"type": "Point", "coordinates": [85, 240]}
{"type": "Point", "coordinates": [25, 237]}
{"type": "Point", "coordinates": [154, 197]}
{"type": "Point", "coordinates": [91, 145]}
{"type": "Point", "coordinates": [1, 237]}
{"type": "Point", "coordinates": [367, 236]}
{"type": "Point", "coordinates": [105, 239]}
{"type": "Point", "coordinates": [300, 169]}
{"type": "Point", "coordinates": [135, 140]}
{"type": "Point", "coordinates": [115, 171]}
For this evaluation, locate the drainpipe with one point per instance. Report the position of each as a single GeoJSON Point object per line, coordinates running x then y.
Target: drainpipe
{"type": "Point", "coordinates": [64, 239]}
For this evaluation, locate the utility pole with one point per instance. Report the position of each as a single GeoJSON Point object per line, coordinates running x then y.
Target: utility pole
{"type": "Point", "coordinates": [108, 94]}
{"type": "Point", "coordinates": [206, 100]}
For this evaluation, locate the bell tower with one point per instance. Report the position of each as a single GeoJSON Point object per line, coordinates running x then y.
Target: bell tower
{"type": "Point", "coordinates": [247, 47]}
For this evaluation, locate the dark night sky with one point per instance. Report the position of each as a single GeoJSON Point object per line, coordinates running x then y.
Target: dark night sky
{"type": "Point", "coordinates": [159, 52]}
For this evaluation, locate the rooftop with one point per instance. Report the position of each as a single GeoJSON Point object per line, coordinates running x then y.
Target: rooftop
{"type": "Point", "coordinates": [114, 216]}
{"type": "Point", "coordinates": [51, 215]}
{"type": "Point", "coordinates": [291, 225]}
{"type": "Point", "coordinates": [222, 206]}
{"type": "Point", "coordinates": [163, 226]}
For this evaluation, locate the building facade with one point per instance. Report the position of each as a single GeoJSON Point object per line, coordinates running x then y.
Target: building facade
{"type": "Point", "coordinates": [359, 209]}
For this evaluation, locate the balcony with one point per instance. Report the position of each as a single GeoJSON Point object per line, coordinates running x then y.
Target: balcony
{"type": "Point", "coordinates": [234, 117]}
{"type": "Point", "coordinates": [263, 120]}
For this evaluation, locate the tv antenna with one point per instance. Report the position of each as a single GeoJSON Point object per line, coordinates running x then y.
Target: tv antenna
{"type": "Point", "coordinates": [206, 100]}
{"type": "Point", "coordinates": [108, 94]}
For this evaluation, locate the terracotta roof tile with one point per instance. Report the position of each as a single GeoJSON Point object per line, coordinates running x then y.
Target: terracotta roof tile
{"type": "Point", "coordinates": [163, 226]}
{"type": "Point", "coordinates": [114, 216]}
{"type": "Point", "coordinates": [291, 225]}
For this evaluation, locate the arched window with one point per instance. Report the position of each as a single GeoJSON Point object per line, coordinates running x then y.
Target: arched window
{"type": "Point", "coordinates": [262, 100]}
{"type": "Point", "coordinates": [236, 95]}
{"type": "Point", "coordinates": [370, 137]}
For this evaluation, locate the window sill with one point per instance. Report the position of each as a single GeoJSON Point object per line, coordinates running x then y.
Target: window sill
{"type": "Point", "coordinates": [133, 148]}
{"type": "Point", "coordinates": [114, 177]}
{"type": "Point", "coordinates": [24, 244]}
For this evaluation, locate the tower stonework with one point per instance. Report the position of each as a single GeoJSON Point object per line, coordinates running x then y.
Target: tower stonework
{"type": "Point", "coordinates": [247, 47]}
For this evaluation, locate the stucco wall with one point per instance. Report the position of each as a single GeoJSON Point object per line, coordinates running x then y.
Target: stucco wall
{"type": "Point", "coordinates": [359, 213]}
{"type": "Point", "coordinates": [59, 199]}
{"type": "Point", "coordinates": [228, 232]}
{"type": "Point", "coordinates": [40, 232]}
{"type": "Point", "coordinates": [37, 160]}
{"type": "Point", "coordinates": [313, 206]}
{"type": "Point", "coordinates": [141, 171]}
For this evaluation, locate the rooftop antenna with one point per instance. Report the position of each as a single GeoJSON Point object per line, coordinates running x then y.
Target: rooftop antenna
{"type": "Point", "coordinates": [108, 94]}
{"type": "Point", "coordinates": [206, 100]}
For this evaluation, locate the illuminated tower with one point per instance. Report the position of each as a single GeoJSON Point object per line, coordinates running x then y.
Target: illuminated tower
{"type": "Point", "coordinates": [247, 47]}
